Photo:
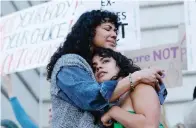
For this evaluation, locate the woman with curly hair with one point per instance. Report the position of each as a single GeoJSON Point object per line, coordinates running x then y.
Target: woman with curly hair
{"type": "Point", "coordinates": [74, 90]}
{"type": "Point", "coordinates": [111, 65]}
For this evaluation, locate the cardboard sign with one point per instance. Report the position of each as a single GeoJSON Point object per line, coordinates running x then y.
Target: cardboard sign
{"type": "Point", "coordinates": [190, 22]}
{"type": "Point", "coordinates": [129, 31]}
{"type": "Point", "coordinates": [166, 57]}
{"type": "Point", "coordinates": [39, 30]}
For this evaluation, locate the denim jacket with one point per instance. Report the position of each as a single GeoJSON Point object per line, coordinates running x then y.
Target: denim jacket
{"type": "Point", "coordinates": [75, 92]}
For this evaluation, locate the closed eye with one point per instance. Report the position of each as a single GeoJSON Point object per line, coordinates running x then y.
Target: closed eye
{"type": "Point", "coordinates": [108, 27]}
{"type": "Point", "coordinates": [105, 61]}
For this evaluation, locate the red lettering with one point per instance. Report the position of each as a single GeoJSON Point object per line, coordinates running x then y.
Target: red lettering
{"type": "Point", "coordinates": [20, 57]}
{"type": "Point", "coordinates": [6, 65]}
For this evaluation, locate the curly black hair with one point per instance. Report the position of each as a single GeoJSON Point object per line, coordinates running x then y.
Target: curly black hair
{"type": "Point", "coordinates": [125, 64]}
{"type": "Point", "coordinates": [80, 39]}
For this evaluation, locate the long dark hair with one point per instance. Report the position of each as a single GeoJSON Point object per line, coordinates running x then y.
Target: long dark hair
{"type": "Point", "coordinates": [80, 39]}
{"type": "Point", "coordinates": [125, 64]}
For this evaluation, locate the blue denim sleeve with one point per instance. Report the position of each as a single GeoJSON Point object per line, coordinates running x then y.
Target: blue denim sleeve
{"type": "Point", "coordinates": [21, 115]}
{"type": "Point", "coordinates": [85, 92]}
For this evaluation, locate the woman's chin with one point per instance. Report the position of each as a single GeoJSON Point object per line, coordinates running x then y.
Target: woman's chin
{"type": "Point", "coordinates": [110, 47]}
{"type": "Point", "coordinates": [100, 81]}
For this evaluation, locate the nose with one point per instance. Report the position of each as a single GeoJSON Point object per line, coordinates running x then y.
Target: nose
{"type": "Point", "coordinates": [114, 35]}
{"type": "Point", "coordinates": [98, 67]}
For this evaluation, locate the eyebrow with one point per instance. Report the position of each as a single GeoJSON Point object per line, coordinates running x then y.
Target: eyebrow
{"type": "Point", "coordinates": [96, 63]}
{"type": "Point", "coordinates": [101, 58]}
{"type": "Point", "coordinates": [107, 25]}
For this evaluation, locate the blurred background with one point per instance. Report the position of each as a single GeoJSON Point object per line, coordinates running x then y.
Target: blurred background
{"type": "Point", "coordinates": [161, 23]}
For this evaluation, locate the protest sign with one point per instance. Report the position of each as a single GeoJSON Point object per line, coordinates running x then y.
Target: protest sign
{"type": "Point", "coordinates": [166, 57]}
{"type": "Point", "coordinates": [44, 27]}
{"type": "Point", "coordinates": [182, 42]}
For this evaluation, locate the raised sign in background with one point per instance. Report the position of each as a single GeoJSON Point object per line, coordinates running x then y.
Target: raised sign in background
{"type": "Point", "coordinates": [166, 57]}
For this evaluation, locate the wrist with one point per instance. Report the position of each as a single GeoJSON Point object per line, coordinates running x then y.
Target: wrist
{"type": "Point", "coordinates": [113, 110]}
{"type": "Point", "coordinates": [132, 86]}
{"type": "Point", "coordinates": [11, 95]}
{"type": "Point", "coordinates": [12, 98]}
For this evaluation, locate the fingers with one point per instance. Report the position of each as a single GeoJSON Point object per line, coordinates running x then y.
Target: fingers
{"type": "Point", "coordinates": [158, 71]}
{"type": "Point", "coordinates": [154, 78]}
{"type": "Point", "coordinates": [158, 77]}
{"type": "Point", "coordinates": [106, 120]}
{"type": "Point", "coordinates": [155, 81]}
{"type": "Point", "coordinates": [158, 74]}
{"type": "Point", "coordinates": [155, 70]}
{"type": "Point", "coordinates": [157, 86]}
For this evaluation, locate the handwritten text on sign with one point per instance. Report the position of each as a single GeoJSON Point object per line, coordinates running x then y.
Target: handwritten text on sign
{"type": "Point", "coordinates": [33, 27]}
{"type": "Point", "coordinates": [166, 57]}
{"type": "Point", "coordinates": [47, 25]}
{"type": "Point", "coordinates": [25, 58]}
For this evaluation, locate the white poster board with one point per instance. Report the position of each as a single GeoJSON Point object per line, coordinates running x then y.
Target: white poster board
{"type": "Point", "coordinates": [128, 12]}
{"type": "Point", "coordinates": [29, 37]}
{"type": "Point", "coordinates": [190, 22]}
{"type": "Point", "coordinates": [166, 57]}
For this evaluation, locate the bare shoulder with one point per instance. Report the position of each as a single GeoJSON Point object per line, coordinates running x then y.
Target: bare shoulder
{"type": "Point", "coordinates": [144, 92]}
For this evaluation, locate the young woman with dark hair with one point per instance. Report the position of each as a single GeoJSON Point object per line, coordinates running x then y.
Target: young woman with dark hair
{"type": "Point", "coordinates": [140, 106]}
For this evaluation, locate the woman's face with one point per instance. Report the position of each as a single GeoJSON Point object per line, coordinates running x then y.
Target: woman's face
{"type": "Point", "coordinates": [104, 68]}
{"type": "Point", "coordinates": [105, 36]}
